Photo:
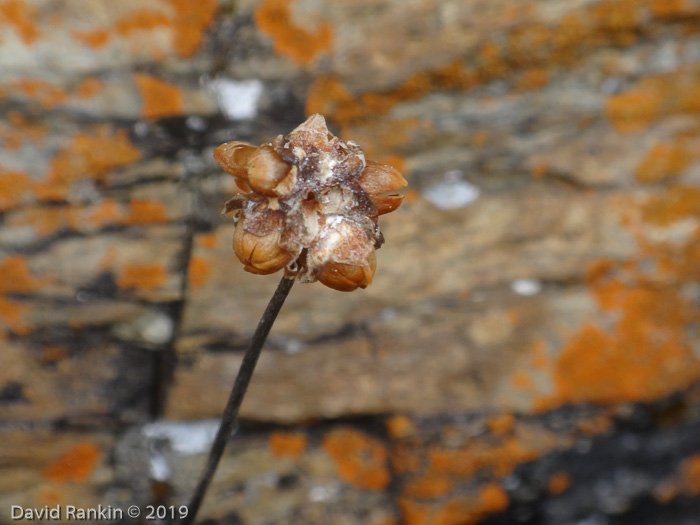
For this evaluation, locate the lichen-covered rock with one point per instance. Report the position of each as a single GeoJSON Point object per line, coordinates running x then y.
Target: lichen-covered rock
{"type": "Point", "coordinates": [532, 337]}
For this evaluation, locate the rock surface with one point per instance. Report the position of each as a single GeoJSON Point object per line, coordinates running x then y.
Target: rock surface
{"type": "Point", "coordinates": [529, 350]}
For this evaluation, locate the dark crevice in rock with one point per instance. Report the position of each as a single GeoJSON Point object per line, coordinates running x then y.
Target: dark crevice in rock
{"type": "Point", "coordinates": [165, 360]}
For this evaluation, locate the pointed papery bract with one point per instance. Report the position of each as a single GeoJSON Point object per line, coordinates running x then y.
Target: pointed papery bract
{"type": "Point", "coordinates": [312, 133]}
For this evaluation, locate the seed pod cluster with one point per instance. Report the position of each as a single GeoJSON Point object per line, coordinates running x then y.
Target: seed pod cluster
{"type": "Point", "coordinates": [309, 204]}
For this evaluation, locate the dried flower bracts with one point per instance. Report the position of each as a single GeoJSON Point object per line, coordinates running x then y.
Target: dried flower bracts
{"type": "Point", "coordinates": [310, 205]}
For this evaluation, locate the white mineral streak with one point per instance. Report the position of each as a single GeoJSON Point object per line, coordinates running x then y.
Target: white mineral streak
{"type": "Point", "coordinates": [453, 192]}
{"type": "Point", "coordinates": [185, 437]}
{"type": "Point", "coordinates": [238, 99]}
{"type": "Point", "coordinates": [526, 286]}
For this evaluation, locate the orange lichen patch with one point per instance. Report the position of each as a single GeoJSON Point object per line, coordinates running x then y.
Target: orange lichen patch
{"type": "Point", "coordinates": [142, 276]}
{"type": "Point", "coordinates": [12, 313]}
{"type": "Point", "coordinates": [46, 221]}
{"type": "Point", "coordinates": [96, 38]}
{"type": "Point", "coordinates": [501, 458]}
{"type": "Point", "coordinates": [208, 240]}
{"type": "Point", "coordinates": [490, 59]}
{"type": "Point", "coordinates": [456, 512]}
{"type": "Point", "coordinates": [14, 187]}
{"type": "Point", "coordinates": [20, 16]}
{"type": "Point", "coordinates": [645, 354]}
{"type": "Point", "coordinates": [88, 155]}
{"type": "Point", "coordinates": [75, 465]}
{"type": "Point", "coordinates": [102, 213]}
{"type": "Point", "coordinates": [654, 97]}
{"type": "Point", "coordinates": [675, 204]}
{"type": "Point", "coordinates": [428, 486]}
{"type": "Point", "coordinates": [641, 360]}
{"type": "Point", "coordinates": [41, 91]}
{"type": "Point", "coordinates": [664, 161]}
{"type": "Point", "coordinates": [185, 20]}
{"type": "Point", "coordinates": [145, 212]}
{"type": "Point", "coordinates": [414, 513]}
{"type": "Point", "coordinates": [400, 426]}
{"type": "Point", "coordinates": [634, 110]}
{"type": "Point", "coordinates": [493, 498]}
{"type": "Point", "coordinates": [19, 130]}
{"type": "Point", "coordinates": [539, 170]}
{"type": "Point", "coordinates": [462, 510]}
{"type": "Point", "coordinates": [690, 475]}
{"type": "Point", "coordinates": [558, 483]}
{"type": "Point", "coordinates": [359, 459]}
{"type": "Point", "coordinates": [528, 51]}
{"type": "Point", "coordinates": [328, 96]}
{"type": "Point", "coordinates": [522, 380]}
{"type": "Point", "coordinates": [50, 496]}
{"type": "Point", "coordinates": [686, 481]}
{"type": "Point", "coordinates": [88, 87]}
{"type": "Point", "coordinates": [197, 272]}
{"type": "Point", "coordinates": [141, 20]}
{"type": "Point", "coordinates": [287, 444]}
{"type": "Point", "coordinates": [619, 19]}
{"type": "Point", "coordinates": [274, 18]}
{"type": "Point", "coordinates": [160, 99]}
{"type": "Point", "coordinates": [189, 22]}
{"type": "Point", "coordinates": [501, 424]}
{"type": "Point", "coordinates": [671, 8]}
{"type": "Point", "coordinates": [15, 276]}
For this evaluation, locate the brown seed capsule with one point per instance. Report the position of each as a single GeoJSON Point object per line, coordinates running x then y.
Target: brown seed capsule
{"type": "Point", "coordinates": [266, 169]}
{"type": "Point", "coordinates": [378, 179]}
{"type": "Point", "coordinates": [234, 156]}
{"type": "Point", "coordinates": [348, 277]}
{"type": "Point", "coordinates": [261, 254]}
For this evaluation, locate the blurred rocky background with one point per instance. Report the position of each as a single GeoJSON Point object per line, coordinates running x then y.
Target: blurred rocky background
{"type": "Point", "coordinates": [530, 349]}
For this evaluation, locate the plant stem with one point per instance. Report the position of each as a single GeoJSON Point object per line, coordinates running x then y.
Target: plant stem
{"type": "Point", "coordinates": [230, 416]}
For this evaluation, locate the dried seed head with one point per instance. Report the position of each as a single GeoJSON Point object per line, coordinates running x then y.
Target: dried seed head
{"type": "Point", "coordinates": [310, 205]}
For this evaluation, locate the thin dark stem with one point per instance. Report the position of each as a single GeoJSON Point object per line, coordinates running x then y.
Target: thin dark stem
{"type": "Point", "coordinates": [230, 416]}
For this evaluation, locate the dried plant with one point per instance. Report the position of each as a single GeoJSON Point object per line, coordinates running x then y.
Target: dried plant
{"type": "Point", "coordinates": [309, 205]}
